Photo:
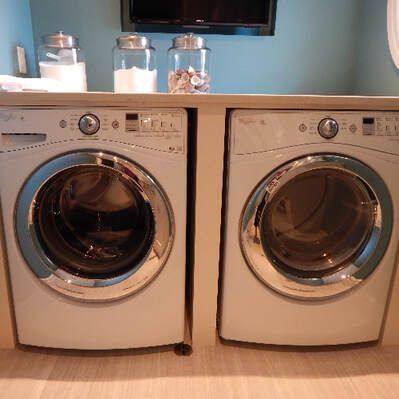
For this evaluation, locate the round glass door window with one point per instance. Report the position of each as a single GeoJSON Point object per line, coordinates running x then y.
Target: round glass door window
{"type": "Point", "coordinates": [94, 226]}
{"type": "Point", "coordinates": [93, 222]}
{"type": "Point", "coordinates": [317, 226]}
{"type": "Point", "coordinates": [318, 222]}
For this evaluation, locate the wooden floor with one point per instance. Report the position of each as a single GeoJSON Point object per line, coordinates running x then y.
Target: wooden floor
{"type": "Point", "coordinates": [219, 372]}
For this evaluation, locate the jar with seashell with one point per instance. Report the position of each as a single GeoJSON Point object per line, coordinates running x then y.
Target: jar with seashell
{"type": "Point", "coordinates": [188, 65]}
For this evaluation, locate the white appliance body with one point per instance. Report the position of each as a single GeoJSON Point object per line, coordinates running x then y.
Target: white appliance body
{"type": "Point", "coordinates": [277, 308]}
{"type": "Point", "coordinates": [145, 308]}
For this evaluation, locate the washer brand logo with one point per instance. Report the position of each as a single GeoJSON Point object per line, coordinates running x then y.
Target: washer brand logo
{"type": "Point", "coordinates": [296, 289]}
{"type": "Point", "coordinates": [252, 121]}
{"type": "Point", "coordinates": [273, 184]}
{"type": "Point", "coordinates": [7, 116]}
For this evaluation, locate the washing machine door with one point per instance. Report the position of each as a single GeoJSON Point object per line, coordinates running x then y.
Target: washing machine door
{"type": "Point", "coordinates": [317, 226]}
{"type": "Point", "coordinates": [94, 226]}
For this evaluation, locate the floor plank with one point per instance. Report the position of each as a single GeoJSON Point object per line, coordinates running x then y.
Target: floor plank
{"type": "Point", "coordinates": [224, 371]}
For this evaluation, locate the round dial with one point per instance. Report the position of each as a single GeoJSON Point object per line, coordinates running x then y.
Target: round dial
{"type": "Point", "coordinates": [89, 124]}
{"type": "Point", "coordinates": [328, 128]}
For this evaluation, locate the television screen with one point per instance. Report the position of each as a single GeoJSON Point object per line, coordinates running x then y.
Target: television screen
{"type": "Point", "coordinates": [211, 12]}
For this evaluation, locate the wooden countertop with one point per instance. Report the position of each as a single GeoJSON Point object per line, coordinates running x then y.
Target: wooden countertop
{"type": "Point", "coordinates": [191, 100]}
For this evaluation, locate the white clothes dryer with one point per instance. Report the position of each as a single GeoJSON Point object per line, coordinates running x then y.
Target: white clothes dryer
{"type": "Point", "coordinates": [311, 226]}
{"type": "Point", "coordinates": [94, 211]}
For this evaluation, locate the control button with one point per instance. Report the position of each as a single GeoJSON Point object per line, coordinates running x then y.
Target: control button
{"type": "Point", "coordinates": [302, 127]}
{"type": "Point", "coordinates": [155, 124]}
{"type": "Point", "coordinates": [89, 124]}
{"type": "Point", "coordinates": [328, 128]}
{"type": "Point", "coordinates": [63, 124]}
{"type": "Point", "coordinates": [353, 128]}
{"type": "Point", "coordinates": [115, 124]}
{"type": "Point", "coordinates": [146, 123]}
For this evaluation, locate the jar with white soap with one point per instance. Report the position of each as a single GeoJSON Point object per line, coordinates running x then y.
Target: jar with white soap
{"type": "Point", "coordinates": [134, 65]}
{"type": "Point", "coordinates": [61, 59]}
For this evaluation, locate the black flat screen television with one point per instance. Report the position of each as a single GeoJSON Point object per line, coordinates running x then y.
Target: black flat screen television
{"type": "Point", "coordinates": [205, 16]}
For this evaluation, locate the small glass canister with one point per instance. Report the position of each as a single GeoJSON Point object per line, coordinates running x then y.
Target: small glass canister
{"type": "Point", "coordinates": [188, 61]}
{"type": "Point", "coordinates": [61, 58]}
{"type": "Point", "coordinates": [134, 65]}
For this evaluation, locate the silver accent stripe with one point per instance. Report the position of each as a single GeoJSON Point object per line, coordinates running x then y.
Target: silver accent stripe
{"type": "Point", "coordinates": [85, 288]}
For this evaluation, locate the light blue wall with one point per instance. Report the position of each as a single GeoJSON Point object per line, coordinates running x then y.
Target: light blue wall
{"type": "Point", "coordinates": [15, 29]}
{"type": "Point", "coordinates": [320, 46]}
{"type": "Point", "coordinates": [313, 50]}
{"type": "Point", "coordinates": [376, 73]}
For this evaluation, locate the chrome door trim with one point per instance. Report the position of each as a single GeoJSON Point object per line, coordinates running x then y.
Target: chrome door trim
{"type": "Point", "coordinates": [92, 289]}
{"type": "Point", "coordinates": [266, 268]}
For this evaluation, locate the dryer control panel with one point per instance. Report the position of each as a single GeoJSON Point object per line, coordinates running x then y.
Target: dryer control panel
{"type": "Point", "coordinates": [158, 129]}
{"type": "Point", "coordinates": [255, 131]}
{"type": "Point", "coordinates": [368, 124]}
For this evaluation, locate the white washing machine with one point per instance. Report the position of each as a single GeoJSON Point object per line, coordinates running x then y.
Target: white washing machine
{"type": "Point", "coordinates": [311, 226]}
{"type": "Point", "coordinates": [94, 211]}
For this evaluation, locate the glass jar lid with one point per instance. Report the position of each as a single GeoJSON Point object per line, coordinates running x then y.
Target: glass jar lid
{"type": "Point", "coordinates": [60, 40]}
{"type": "Point", "coordinates": [189, 41]}
{"type": "Point", "coordinates": [134, 41]}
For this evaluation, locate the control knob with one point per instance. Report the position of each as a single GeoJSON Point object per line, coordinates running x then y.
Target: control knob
{"type": "Point", "coordinates": [328, 128]}
{"type": "Point", "coordinates": [89, 124]}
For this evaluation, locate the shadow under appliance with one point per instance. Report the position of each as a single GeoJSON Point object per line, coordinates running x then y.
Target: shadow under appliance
{"type": "Point", "coordinates": [94, 210]}
{"type": "Point", "coordinates": [311, 226]}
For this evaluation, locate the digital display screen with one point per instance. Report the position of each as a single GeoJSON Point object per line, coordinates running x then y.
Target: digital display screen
{"type": "Point", "coordinates": [234, 12]}
{"type": "Point", "coordinates": [132, 117]}
{"type": "Point", "coordinates": [132, 123]}
{"type": "Point", "coordinates": [368, 121]}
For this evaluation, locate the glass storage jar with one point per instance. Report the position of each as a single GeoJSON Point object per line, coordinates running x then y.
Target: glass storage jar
{"type": "Point", "coordinates": [134, 65]}
{"type": "Point", "coordinates": [188, 64]}
{"type": "Point", "coordinates": [61, 58]}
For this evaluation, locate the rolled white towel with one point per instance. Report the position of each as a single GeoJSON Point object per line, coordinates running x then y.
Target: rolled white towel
{"type": "Point", "coordinates": [13, 83]}
{"type": "Point", "coordinates": [10, 83]}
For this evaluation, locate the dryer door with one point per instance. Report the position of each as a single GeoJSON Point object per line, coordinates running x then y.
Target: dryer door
{"type": "Point", "coordinates": [317, 226]}
{"type": "Point", "coordinates": [94, 226]}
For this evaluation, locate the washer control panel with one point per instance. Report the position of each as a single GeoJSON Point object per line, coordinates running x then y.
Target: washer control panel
{"type": "Point", "coordinates": [146, 128]}
{"type": "Point", "coordinates": [368, 124]}
{"type": "Point", "coordinates": [161, 129]}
